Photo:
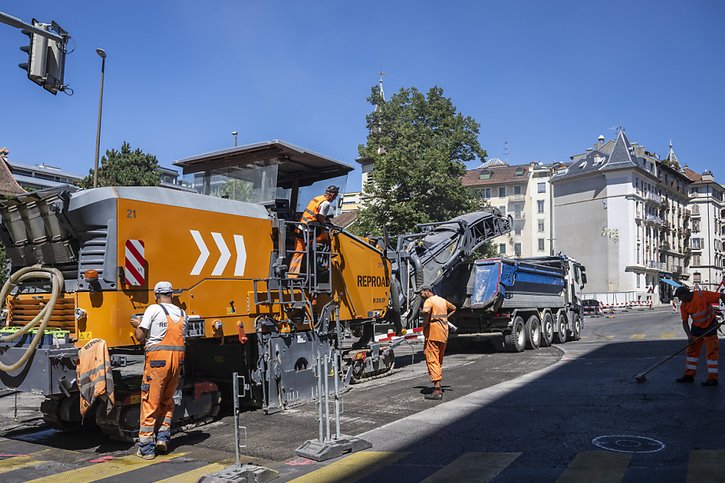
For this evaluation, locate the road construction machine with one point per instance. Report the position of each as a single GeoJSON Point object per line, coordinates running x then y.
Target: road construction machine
{"type": "Point", "coordinates": [84, 261]}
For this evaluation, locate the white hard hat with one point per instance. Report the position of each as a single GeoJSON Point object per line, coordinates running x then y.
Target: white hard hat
{"type": "Point", "coordinates": [163, 287]}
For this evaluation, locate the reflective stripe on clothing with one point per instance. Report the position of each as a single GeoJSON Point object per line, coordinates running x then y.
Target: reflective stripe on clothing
{"type": "Point", "coordinates": [94, 374]}
{"type": "Point", "coordinates": [700, 308]}
{"type": "Point", "coordinates": [161, 376]}
{"type": "Point", "coordinates": [313, 209]}
{"type": "Point", "coordinates": [712, 347]}
{"type": "Point", "coordinates": [438, 307]}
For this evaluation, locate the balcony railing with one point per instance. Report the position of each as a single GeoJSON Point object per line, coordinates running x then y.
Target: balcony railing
{"type": "Point", "coordinates": [654, 219]}
{"type": "Point", "coordinates": [516, 198]}
{"type": "Point", "coordinates": [653, 197]}
{"type": "Point", "coordinates": [657, 265]}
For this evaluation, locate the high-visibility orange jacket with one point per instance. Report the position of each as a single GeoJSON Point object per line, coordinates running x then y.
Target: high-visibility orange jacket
{"type": "Point", "coordinates": [95, 378]}
{"type": "Point", "coordinates": [700, 308]}
{"type": "Point", "coordinates": [313, 209]}
{"type": "Point", "coordinates": [437, 328]}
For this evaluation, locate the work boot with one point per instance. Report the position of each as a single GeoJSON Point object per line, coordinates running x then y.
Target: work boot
{"type": "Point", "coordinates": [710, 382]}
{"type": "Point", "coordinates": [162, 447]}
{"type": "Point", "coordinates": [146, 456]}
{"type": "Point", "coordinates": [436, 395]}
{"type": "Point", "coordinates": [685, 378]}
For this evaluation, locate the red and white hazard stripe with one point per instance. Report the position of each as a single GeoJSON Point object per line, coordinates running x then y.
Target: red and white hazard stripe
{"type": "Point", "coordinates": [412, 334]}
{"type": "Point", "coordinates": [135, 265]}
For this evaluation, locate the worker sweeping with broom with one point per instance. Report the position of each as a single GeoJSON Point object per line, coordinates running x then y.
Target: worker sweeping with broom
{"type": "Point", "coordinates": [698, 306]}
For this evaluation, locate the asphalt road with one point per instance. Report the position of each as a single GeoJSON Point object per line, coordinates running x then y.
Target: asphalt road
{"type": "Point", "coordinates": [533, 416]}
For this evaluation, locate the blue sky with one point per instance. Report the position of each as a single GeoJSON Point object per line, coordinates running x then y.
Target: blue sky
{"type": "Point", "coordinates": [546, 77]}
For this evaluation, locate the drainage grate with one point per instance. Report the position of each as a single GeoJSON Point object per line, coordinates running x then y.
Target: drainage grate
{"type": "Point", "coordinates": [628, 444]}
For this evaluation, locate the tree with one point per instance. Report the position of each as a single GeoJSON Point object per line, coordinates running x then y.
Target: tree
{"type": "Point", "coordinates": [419, 144]}
{"type": "Point", "coordinates": [125, 168]}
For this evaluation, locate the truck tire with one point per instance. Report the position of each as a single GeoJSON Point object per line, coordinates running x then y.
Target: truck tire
{"type": "Point", "coordinates": [576, 332]}
{"type": "Point", "coordinates": [560, 336]}
{"type": "Point", "coordinates": [515, 341]}
{"type": "Point", "coordinates": [533, 332]}
{"type": "Point", "coordinates": [547, 330]}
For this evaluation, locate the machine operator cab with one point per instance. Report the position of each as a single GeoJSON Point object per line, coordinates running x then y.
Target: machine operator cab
{"type": "Point", "coordinates": [283, 178]}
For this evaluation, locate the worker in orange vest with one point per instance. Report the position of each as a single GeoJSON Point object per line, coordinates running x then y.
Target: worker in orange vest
{"type": "Point", "coordinates": [698, 305]}
{"type": "Point", "coordinates": [318, 210]}
{"type": "Point", "coordinates": [436, 311]}
{"type": "Point", "coordinates": [162, 329]}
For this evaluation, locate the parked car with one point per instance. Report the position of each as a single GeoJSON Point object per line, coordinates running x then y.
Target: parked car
{"type": "Point", "coordinates": [592, 308]}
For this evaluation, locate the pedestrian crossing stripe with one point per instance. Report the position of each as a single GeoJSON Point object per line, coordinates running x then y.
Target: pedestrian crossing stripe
{"type": "Point", "coordinates": [19, 462]}
{"type": "Point", "coordinates": [99, 471]}
{"type": "Point", "coordinates": [601, 466]}
{"type": "Point", "coordinates": [352, 468]}
{"type": "Point", "coordinates": [473, 467]}
{"type": "Point", "coordinates": [706, 465]}
{"type": "Point", "coordinates": [194, 475]}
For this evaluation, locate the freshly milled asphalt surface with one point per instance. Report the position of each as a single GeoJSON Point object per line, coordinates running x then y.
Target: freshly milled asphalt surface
{"type": "Point", "coordinates": [543, 407]}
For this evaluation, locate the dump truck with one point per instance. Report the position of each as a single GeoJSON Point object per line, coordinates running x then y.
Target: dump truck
{"type": "Point", "coordinates": [84, 261]}
{"type": "Point", "coordinates": [529, 302]}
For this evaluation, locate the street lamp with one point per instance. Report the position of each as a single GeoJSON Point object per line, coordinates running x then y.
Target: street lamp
{"type": "Point", "coordinates": [235, 134]}
{"type": "Point", "coordinates": [102, 54]}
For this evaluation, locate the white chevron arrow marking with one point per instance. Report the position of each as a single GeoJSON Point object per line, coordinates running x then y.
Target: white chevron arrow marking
{"type": "Point", "coordinates": [225, 254]}
{"type": "Point", "coordinates": [241, 255]}
{"type": "Point", "coordinates": [203, 252]}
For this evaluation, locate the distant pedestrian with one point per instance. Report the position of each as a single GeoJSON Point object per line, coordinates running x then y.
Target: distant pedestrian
{"type": "Point", "coordinates": [698, 306]}
{"type": "Point", "coordinates": [436, 311]}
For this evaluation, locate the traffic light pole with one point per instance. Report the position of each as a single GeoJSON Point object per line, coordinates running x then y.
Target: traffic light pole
{"type": "Point", "coordinates": [16, 22]}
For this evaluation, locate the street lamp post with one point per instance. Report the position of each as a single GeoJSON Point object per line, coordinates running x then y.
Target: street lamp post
{"type": "Point", "coordinates": [102, 54]}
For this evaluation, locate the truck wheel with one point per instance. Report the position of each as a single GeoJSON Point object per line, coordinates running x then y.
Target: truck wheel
{"type": "Point", "coordinates": [515, 341]}
{"type": "Point", "coordinates": [560, 336]}
{"type": "Point", "coordinates": [547, 330]}
{"type": "Point", "coordinates": [576, 332]}
{"type": "Point", "coordinates": [533, 332]}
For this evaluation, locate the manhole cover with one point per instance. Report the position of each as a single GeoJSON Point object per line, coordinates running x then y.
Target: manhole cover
{"type": "Point", "coordinates": [628, 444]}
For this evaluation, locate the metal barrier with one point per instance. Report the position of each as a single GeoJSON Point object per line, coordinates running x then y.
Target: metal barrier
{"type": "Point", "coordinates": [328, 445]}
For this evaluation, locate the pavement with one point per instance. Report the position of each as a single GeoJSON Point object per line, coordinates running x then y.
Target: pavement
{"type": "Point", "coordinates": [566, 413]}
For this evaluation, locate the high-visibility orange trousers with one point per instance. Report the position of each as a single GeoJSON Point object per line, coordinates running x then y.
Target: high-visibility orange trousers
{"type": "Point", "coordinates": [712, 347]}
{"type": "Point", "coordinates": [434, 351]}
{"type": "Point", "coordinates": [157, 397]}
{"type": "Point", "coordinates": [295, 265]}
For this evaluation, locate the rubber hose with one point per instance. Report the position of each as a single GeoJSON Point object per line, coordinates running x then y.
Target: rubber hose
{"type": "Point", "coordinates": [43, 317]}
{"type": "Point", "coordinates": [395, 309]}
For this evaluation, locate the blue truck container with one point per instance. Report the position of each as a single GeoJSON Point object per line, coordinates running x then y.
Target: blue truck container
{"type": "Point", "coordinates": [531, 302]}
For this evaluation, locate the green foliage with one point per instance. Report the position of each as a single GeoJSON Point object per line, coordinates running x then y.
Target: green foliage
{"type": "Point", "coordinates": [419, 145]}
{"type": "Point", "coordinates": [125, 168]}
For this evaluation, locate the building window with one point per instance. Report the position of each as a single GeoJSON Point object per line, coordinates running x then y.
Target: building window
{"type": "Point", "coordinates": [502, 249]}
{"type": "Point", "coordinates": [696, 243]}
{"type": "Point", "coordinates": [486, 193]}
{"type": "Point", "coordinates": [541, 187]}
{"type": "Point", "coordinates": [517, 190]}
{"type": "Point", "coordinates": [540, 206]}
{"type": "Point", "coordinates": [695, 260]}
{"type": "Point", "coordinates": [639, 281]}
{"type": "Point", "coordinates": [501, 191]}
{"type": "Point", "coordinates": [541, 225]}
{"type": "Point", "coordinates": [696, 277]}
{"type": "Point", "coordinates": [485, 175]}
{"type": "Point", "coordinates": [517, 249]}
{"type": "Point", "coordinates": [520, 172]}
{"type": "Point", "coordinates": [541, 244]}
{"type": "Point", "coordinates": [502, 209]}
{"type": "Point", "coordinates": [517, 229]}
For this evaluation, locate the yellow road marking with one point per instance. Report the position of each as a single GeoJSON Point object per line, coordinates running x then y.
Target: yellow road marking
{"type": "Point", "coordinates": [98, 471]}
{"type": "Point", "coordinates": [637, 336]}
{"type": "Point", "coordinates": [706, 465]}
{"type": "Point", "coordinates": [352, 468]}
{"type": "Point", "coordinates": [668, 335]}
{"type": "Point", "coordinates": [473, 467]}
{"type": "Point", "coordinates": [17, 462]}
{"type": "Point", "coordinates": [596, 467]}
{"type": "Point", "coordinates": [194, 475]}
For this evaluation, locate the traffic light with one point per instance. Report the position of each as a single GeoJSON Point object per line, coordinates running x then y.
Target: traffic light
{"type": "Point", "coordinates": [46, 57]}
